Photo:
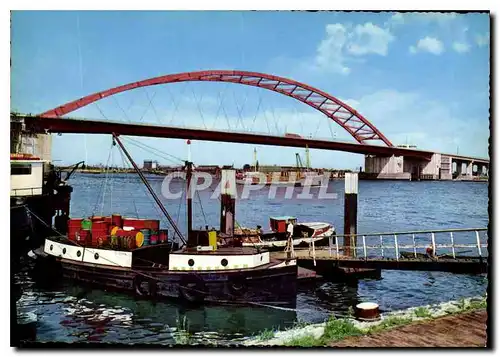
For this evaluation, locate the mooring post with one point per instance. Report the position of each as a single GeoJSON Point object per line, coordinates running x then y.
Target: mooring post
{"type": "Point", "coordinates": [227, 201]}
{"type": "Point", "coordinates": [350, 213]}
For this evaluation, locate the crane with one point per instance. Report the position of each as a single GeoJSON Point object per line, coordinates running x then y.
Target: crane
{"type": "Point", "coordinates": [299, 163]}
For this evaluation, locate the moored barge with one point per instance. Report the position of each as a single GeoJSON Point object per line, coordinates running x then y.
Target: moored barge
{"type": "Point", "coordinates": [133, 255]}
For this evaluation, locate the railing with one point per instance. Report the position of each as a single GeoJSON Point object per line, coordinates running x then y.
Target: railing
{"type": "Point", "coordinates": [30, 191]}
{"type": "Point", "coordinates": [431, 244]}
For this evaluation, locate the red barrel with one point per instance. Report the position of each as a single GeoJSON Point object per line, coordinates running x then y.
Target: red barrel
{"type": "Point", "coordinates": [84, 237]}
{"type": "Point", "coordinates": [137, 223]}
{"type": "Point", "coordinates": [120, 232]}
{"type": "Point", "coordinates": [154, 238]}
{"type": "Point", "coordinates": [128, 242]}
{"type": "Point", "coordinates": [97, 218]}
{"type": "Point", "coordinates": [116, 220]}
{"type": "Point", "coordinates": [163, 236]}
{"type": "Point", "coordinates": [152, 224]}
{"type": "Point", "coordinates": [99, 232]}
{"type": "Point", "coordinates": [108, 220]}
{"type": "Point", "coordinates": [74, 226]}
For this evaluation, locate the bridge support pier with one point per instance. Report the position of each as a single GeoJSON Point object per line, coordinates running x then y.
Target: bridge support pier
{"type": "Point", "coordinates": [439, 167]}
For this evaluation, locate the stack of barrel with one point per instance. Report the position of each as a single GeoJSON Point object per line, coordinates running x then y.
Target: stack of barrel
{"type": "Point", "coordinates": [92, 231]}
{"type": "Point", "coordinates": [150, 229]}
{"type": "Point", "coordinates": [116, 232]}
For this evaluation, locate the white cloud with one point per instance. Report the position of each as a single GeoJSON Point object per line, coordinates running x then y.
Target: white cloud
{"type": "Point", "coordinates": [370, 38]}
{"type": "Point", "coordinates": [483, 40]}
{"type": "Point", "coordinates": [429, 124]}
{"type": "Point", "coordinates": [400, 18]}
{"type": "Point", "coordinates": [350, 102]}
{"type": "Point", "coordinates": [396, 19]}
{"type": "Point", "coordinates": [428, 44]}
{"type": "Point", "coordinates": [437, 17]}
{"type": "Point", "coordinates": [332, 52]}
{"type": "Point", "coordinates": [461, 47]}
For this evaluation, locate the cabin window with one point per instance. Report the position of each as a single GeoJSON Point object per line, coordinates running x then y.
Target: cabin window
{"type": "Point", "coordinates": [96, 256]}
{"type": "Point", "coordinates": [190, 262]}
{"type": "Point", "coordinates": [20, 169]}
{"type": "Point", "coordinates": [224, 262]}
{"type": "Point", "coordinates": [64, 250]}
{"type": "Point", "coordinates": [78, 253]}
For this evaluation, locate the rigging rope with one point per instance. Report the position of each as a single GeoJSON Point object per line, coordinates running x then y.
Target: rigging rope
{"type": "Point", "coordinates": [179, 210]}
{"type": "Point", "coordinates": [111, 188]}
{"type": "Point", "coordinates": [101, 191]}
{"type": "Point", "coordinates": [152, 149]}
{"type": "Point", "coordinates": [126, 164]}
{"type": "Point", "coordinates": [201, 206]}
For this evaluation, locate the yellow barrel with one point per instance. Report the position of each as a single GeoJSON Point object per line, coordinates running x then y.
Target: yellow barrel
{"type": "Point", "coordinates": [212, 239]}
{"type": "Point", "coordinates": [139, 239]}
{"type": "Point", "coordinates": [114, 230]}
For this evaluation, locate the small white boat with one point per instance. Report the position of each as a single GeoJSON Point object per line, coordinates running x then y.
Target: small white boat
{"type": "Point", "coordinates": [304, 233]}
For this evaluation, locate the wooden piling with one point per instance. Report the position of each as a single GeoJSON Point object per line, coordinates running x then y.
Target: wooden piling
{"type": "Point", "coordinates": [227, 202]}
{"type": "Point", "coordinates": [350, 213]}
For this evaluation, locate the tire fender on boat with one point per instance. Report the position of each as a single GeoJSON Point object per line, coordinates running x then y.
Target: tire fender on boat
{"type": "Point", "coordinates": [151, 289]}
{"type": "Point", "coordinates": [192, 289]}
{"type": "Point", "coordinates": [237, 285]}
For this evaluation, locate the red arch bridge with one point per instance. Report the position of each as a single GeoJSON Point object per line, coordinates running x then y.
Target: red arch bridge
{"type": "Point", "coordinates": [381, 161]}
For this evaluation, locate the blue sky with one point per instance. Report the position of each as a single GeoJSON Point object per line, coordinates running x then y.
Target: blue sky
{"type": "Point", "coordinates": [421, 78]}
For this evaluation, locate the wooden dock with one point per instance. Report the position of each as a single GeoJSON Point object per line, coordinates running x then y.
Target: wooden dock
{"type": "Point", "coordinates": [463, 330]}
{"type": "Point", "coordinates": [324, 259]}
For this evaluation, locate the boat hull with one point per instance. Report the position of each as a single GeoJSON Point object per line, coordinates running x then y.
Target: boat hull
{"type": "Point", "coordinates": [273, 285]}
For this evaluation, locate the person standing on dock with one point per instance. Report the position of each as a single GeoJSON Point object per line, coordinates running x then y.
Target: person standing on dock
{"type": "Point", "coordinates": [431, 253]}
{"type": "Point", "coordinates": [289, 243]}
{"type": "Point", "coordinates": [289, 230]}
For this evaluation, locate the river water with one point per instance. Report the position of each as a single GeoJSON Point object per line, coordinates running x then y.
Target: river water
{"type": "Point", "coordinates": [68, 313]}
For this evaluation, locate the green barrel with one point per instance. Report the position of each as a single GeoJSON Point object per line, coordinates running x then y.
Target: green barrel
{"type": "Point", "coordinates": [86, 224]}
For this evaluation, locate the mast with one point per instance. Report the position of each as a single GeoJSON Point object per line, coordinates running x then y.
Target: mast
{"type": "Point", "coordinates": [189, 174]}
{"type": "Point", "coordinates": [150, 189]}
{"type": "Point", "coordinates": [189, 199]}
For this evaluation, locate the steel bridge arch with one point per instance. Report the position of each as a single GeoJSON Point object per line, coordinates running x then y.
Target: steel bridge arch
{"type": "Point", "coordinates": [348, 118]}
